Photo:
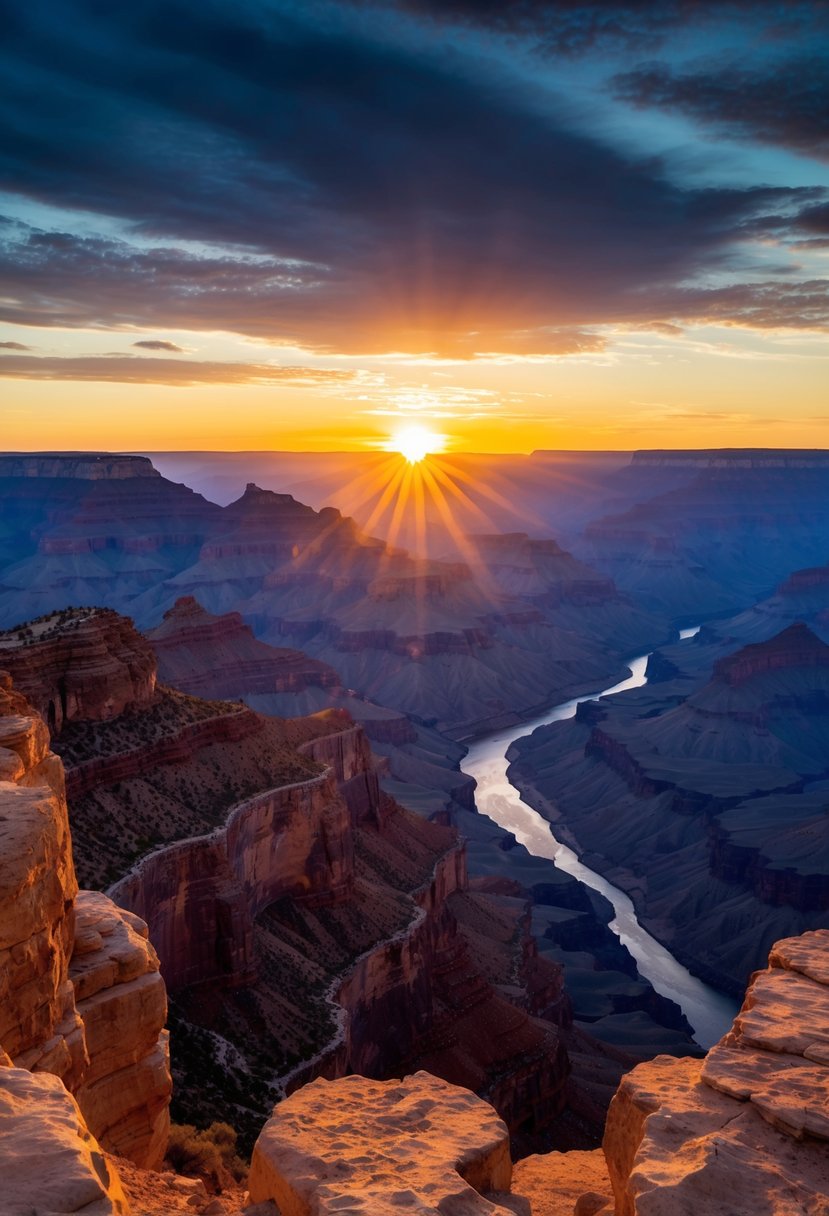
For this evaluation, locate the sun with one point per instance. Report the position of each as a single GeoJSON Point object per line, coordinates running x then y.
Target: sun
{"type": "Point", "coordinates": [415, 442]}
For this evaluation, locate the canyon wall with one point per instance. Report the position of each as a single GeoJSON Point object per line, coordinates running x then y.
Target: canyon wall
{"type": "Point", "coordinates": [201, 896]}
{"type": "Point", "coordinates": [81, 996]}
{"type": "Point", "coordinates": [84, 663]}
{"type": "Point", "coordinates": [218, 656]}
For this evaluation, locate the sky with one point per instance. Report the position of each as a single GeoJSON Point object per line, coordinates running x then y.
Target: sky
{"type": "Point", "coordinates": [305, 226]}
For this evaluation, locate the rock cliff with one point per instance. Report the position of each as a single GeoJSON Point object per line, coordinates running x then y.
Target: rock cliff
{"type": "Point", "coordinates": [50, 1160]}
{"type": "Point", "coordinates": [218, 656]}
{"type": "Point", "coordinates": [80, 991]}
{"type": "Point", "coordinates": [365, 1146]}
{"type": "Point", "coordinates": [80, 664]}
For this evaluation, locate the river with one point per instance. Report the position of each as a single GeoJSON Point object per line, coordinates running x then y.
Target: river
{"type": "Point", "coordinates": [708, 1011]}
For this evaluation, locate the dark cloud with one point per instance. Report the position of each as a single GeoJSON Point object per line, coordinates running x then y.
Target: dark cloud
{"type": "Point", "coordinates": [14, 346]}
{"type": "Point", "coordinates": [129, 369]}
{"type": "Point", "coordinates": [767, 305]}
{"type": "Point", "coordinates": [563, 28]}
{"type": "Point", "coordinates": [785, 103]}
{"type": "Point", "coordinates": [351, 193]}
{"type": "Point", "coordinates": [159, 344]}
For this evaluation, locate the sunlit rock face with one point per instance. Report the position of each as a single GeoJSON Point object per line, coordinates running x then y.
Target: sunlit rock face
{"type": "Point", "coordinates": [124, 1092]}
{"type": "Point", "coordinates": [379, 1147]}
{"type": "Point", "coordinates": [50, 1160]}
{"type": "Point", "coordinates": [747, 1129]}
{"type": "Point", "coordinates": [37, 893]}
{"type": "Point", "coordinates": [81, 995]}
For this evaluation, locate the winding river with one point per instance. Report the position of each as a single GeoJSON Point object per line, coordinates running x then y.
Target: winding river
{"type": "Point", "coordinates": [708, 1011]}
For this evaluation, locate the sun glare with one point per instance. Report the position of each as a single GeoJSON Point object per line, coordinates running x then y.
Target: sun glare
{"type": "Point", "coordinates": [416, 442]}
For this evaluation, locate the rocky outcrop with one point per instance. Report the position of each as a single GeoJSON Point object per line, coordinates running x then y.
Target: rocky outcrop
{"type": "Point", "coordinates": [80, 664]}
{"type": "Point", "coordinates": [81, 996]}
{"type": "Point", "coordinates": [377, 1147]}
{"type": "Point", "coordinates": [804, 581]}
{"type": "Point", "coordinates": [50, 1160]}
{"type": "Point", "coordinates": [37, 893]}
{"type": "Point", "coordinates": [746, 1129]}
{"type": "Point", "coordinates": [76, 466]}
{"type": "Point", "coordinates": [124, 1091]}
{"type": "Point", "coordinates": [795, 647]}
{"type": "Point", "coordinates": [218, 657]}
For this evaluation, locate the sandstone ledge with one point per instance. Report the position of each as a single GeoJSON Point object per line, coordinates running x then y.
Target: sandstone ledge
{"type": "Point", "coordinates": [746, 1130]}
{"type": "Point", "coordinates": [379, 1147]}
{"type": "Point", "coordinates": [49, 1161]}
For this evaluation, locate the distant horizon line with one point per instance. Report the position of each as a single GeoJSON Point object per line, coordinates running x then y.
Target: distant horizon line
{"type": "Point", "coordinates": [149, 452]}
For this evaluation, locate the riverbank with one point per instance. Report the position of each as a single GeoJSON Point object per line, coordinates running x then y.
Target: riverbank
{"type": "Point", "coordinates": [708, 1010]}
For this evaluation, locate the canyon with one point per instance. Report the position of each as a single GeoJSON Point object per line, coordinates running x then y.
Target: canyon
{"type": "Point", "coordinates": [291, 897]}
{"type": "Point", "coordinates": [680, 1135]}
{"type": "Point", "coordinates": [718, 780]}
{"type": "Point", "coordinates": [443, 641]}
{"type": "Point", "coordinates": [302, 899]}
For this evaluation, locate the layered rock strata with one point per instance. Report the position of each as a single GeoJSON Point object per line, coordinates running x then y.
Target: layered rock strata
{"type": "Point", "coordinates": [218, 657]}
{"type": "Point", "coordinates": [436, 639]}
{"type": "Point", "coordinates": [82, 997]}
{"type": "Point", "coordinates": [747, 1129]}
{"type": "Point", "coordinates": [80, 664]}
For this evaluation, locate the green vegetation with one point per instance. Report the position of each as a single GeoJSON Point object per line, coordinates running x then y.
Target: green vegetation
{"type": "Point", "coordinates": [208, 1153]}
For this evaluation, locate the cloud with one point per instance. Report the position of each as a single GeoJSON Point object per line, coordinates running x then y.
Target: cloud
{"type": "Point", "coordinates": [14, 346]}
{"type": "Point", "coordinates": [786, 102]}
{"type": "Point", "coordinates": [129, 369]}
{"type": "Point", "coordinates": [306, 182]}
{"type": "Point", "coordinates": [159, 344]}
{"type": "Point", "coordinates": [562, 28]}
{"type": "Point", "coordinates": [767, 305]}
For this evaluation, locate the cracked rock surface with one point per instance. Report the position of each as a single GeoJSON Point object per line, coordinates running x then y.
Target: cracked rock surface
{"type": "Point", "coordinates": [747, 1129]}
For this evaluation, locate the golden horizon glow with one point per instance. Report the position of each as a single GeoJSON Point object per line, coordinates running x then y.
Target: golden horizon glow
{"type": "Point", "coordinates": [414, 443]}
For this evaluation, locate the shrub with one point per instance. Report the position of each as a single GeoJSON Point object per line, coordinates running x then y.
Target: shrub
{"type": "Point", "coordinates": [207, 1153]}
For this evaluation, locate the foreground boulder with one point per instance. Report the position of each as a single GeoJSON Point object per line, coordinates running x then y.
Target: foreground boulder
{"type": "Point", "coordinates": [51, 1163]}
{"type": "Point", "coordinates": [746, 1130]}
{"type": "Point", "coordinates": [380, 1147]}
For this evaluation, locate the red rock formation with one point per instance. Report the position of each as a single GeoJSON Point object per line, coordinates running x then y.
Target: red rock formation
{"type": "Point", "coordinates": [380, 1146]}
{"type": "Point", "coordinates": [746, 1130]}
{"type": "Point", "coordinates": [796, 646]}
{"type": "Point", "coordinates": [37, 892]}
{"type": "Point", "coordinates": [80, 993]}
{"type": "Point", "coordinates": [804, 580]}
{"type": "Point", "coordinates": [89, 664]}
{"type": "Point", "coordinates": [49, 1159]}
{"type": "Point", "coordinates": [218, 656]}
